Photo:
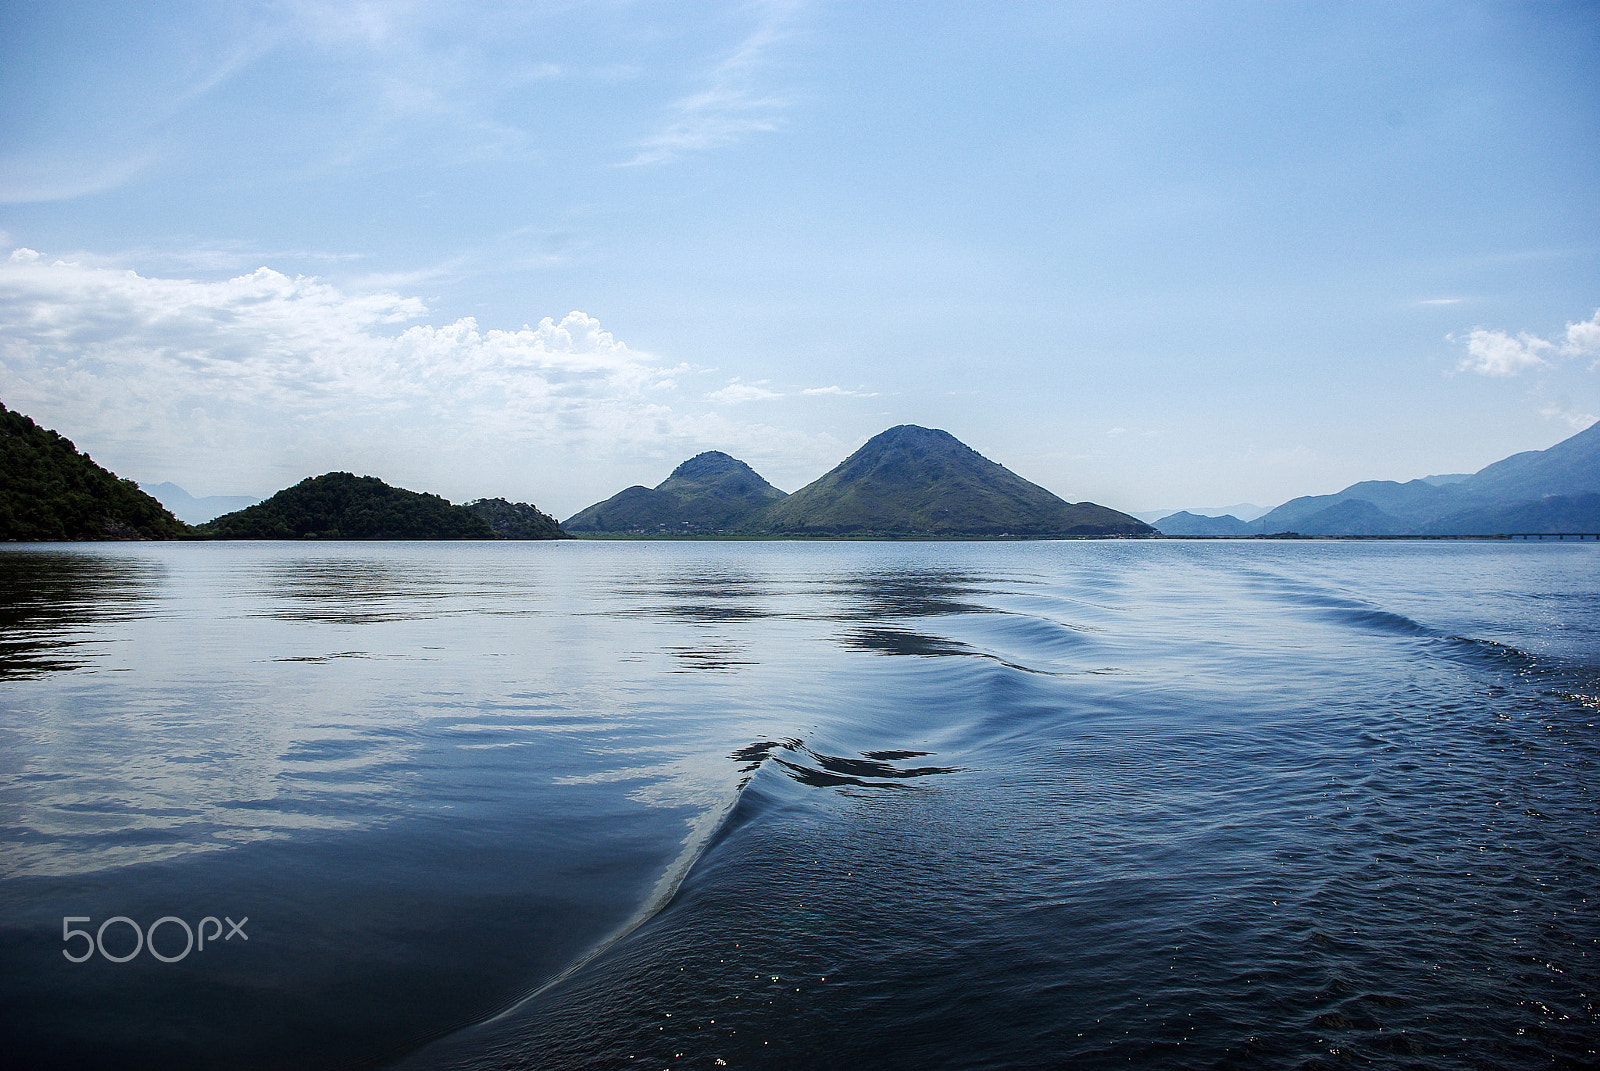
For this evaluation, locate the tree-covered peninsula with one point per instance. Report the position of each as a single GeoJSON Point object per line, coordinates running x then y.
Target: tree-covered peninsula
{"type": "Point", "coordinates": [517, 520]}
{"type": "Point", "coordinates": [50, 491]}
{"type": "Point", "coordinates": [339, 505]}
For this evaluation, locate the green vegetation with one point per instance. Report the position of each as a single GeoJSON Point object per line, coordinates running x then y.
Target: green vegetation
{"type": "Point", "coordinates": [919, 482]}
{"type": "Point", "coordinates": [49, 491]}
{"type": "Point", "coordinates": [517, 520]}
{"type": "Point", "coordinates": [339, 505]}
{"type": "Point", "coordinates": [711, 493]}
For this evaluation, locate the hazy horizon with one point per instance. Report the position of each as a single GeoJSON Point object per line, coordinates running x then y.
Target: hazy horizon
{"type": "Point", "coordinates": [1245, 511]}
{"type": "Point", "coordinates": [1139, 254]}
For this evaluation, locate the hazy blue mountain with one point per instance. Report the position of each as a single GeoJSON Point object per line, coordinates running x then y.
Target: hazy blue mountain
{"type": "Point", "coordinates": [192, 510]}
{"type": "Point", "coordinates": [1570, 467]}
{"type": "Point", "coordinates": [1244, 511]}
{"type": "Point", "coordinates": [1350, 516]}
{"type": "Point", "coordinates": [1449, 505]}
{"type": "Point", "coordinates": [913, 481]}
{"type": "Point", "coordinates": [49, 491]}
{"type": "Point", "coordinates": [1552, 514]}
{"type": "Point", "coordinates": [517, 520]}
{"type": "Point", "coordinates": [339, 505]}
{"type": "Point", "coordinates": [1184, 523]}
{"type": "Point", "coordinates": [1407, 505]}
{"type": "Point", "coordinates": [709, 493]}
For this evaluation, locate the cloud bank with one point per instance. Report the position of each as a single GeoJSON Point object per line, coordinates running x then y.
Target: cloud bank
{"type": "Point", "coordinates": [1496, 353]}
{"type": "Point", "coordinates": [264, 378]}
{"type": "Point", "coordinates": [305, 348]}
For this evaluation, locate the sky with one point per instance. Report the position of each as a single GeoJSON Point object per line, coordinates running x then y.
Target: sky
{"type": "Point", "coordinates": [1149, 255]}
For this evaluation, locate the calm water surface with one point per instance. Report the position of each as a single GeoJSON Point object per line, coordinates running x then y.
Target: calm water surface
{"type": "Point", "coordinates": [1164, 804]}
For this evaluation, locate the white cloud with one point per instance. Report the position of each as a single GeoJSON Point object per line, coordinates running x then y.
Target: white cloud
{"type": "Point", "coordinates": [243, 385]}
{"type": "Point", "coordinates": [729, 107]}
{"type": "Point", "coordinates": [1441, 301]}
{"type": "Point", "coordinates": [1495, 353]}
{"type": "Point", "coordinates": [280, 374]}
{"type": "Point", "coordinates": [1583, 339]}
{"type": "Point", "coordinates": [840, 391]}
{"type": "Point", "coordinates": [737, 391]}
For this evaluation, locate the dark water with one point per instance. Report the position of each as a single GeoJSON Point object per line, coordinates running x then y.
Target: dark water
{"type": "Point", "coordinates": [802, 805]}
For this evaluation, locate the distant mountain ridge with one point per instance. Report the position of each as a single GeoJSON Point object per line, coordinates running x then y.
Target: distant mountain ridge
{"type": "Point", "coordinates": [905, 482]}
{"type": "Point", "coordinates": [1460, 505]}
{"type": "Point", "coordinates": [911, 481]}
{"type": "Point", "coordinates": [711, 493]}
{"type": "Point", "coordinates": [1243, 511]}
{"type": "Point", "coordinates": [191, 510]}
{"type": "Point", "coordinates": [1184, 523]}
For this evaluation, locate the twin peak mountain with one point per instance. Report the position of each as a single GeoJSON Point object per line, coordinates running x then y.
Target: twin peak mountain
{"type": "Point", "coordinates": [907, 481]}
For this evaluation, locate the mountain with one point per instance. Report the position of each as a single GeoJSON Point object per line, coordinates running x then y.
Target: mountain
{"type": "Point", "coordinates": [1570, 467]}
{"type": "Point", "coordinates": [339, 505]}
{"type": "Point", "coordinates": [517, 520]}
{"type": "Point", "coordinates": [1551, 515]}
{"type": "Point", "coordinates": [1244, 511]}
{"type": "Point", "coordinates": [49, 491]}
{"type": "Point", "coordinates": [911, 481]}
{"type": "Point", "coordinates": [1407, 504]}
{"type": "Point", "coordinates": [1184, 523]}
{"type": "Point", "coordinates": [1351, 516]}
{"type": "Point", "coordinates": [193, 510]}
{"type": "Point", "coordinates": [1454, 504]}
{"type": "Point", "coordinates": [709, 493]}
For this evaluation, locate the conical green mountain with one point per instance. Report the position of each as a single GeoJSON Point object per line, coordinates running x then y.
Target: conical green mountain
{"type": "Point", "coordinates": [709, 493]}
{"type": "Point", "coordinates": [911, 481]}
{"type": "Point", "coordinates": [339, 505]}
{"type": "Point", "coordinates": [50, 491]}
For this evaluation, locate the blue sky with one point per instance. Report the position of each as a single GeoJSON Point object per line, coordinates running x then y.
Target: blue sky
{"type": "Point", "coordinates": [1148, 255]}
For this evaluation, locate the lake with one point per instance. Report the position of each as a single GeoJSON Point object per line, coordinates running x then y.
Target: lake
{"type": "Point", "coordinates": [781, 804]}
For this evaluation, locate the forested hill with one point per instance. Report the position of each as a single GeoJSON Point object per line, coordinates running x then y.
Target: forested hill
{"type": "Point", "coordinates": [517, 520]}
{"type": "Point", "coordinates": [339, 505]}
{"type": "Point", "coordinates": [50, 491]}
